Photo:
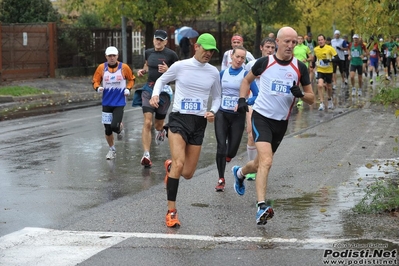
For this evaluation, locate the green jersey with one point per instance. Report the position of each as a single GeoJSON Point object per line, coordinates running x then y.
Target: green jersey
{"type": "Point", "coordinates": [356, 53]}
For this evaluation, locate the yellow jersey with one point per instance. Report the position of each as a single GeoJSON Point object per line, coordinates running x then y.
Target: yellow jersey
{"type": "Point", "coordinates": [324, 57]}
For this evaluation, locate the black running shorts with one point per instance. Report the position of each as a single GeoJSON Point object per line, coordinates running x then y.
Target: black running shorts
{"type": "Point", "coordinates": [190, 127]}
{"type": "Point", "coordinates": [268, 130]}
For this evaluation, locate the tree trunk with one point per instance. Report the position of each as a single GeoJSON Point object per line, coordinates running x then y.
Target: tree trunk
{"type": "Point", "coordinates": [258, 36]}
{"type": "Point", "coordinates": [149, 34]}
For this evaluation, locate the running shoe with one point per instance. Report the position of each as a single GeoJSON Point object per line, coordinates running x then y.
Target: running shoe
{"type": "Point", "coordinates": [250, 176]}
{"type": "Point", "coordinates": [299, 103]}
{"type": "Point", "coordinates": [120, 135]}
{"type": "Point", "coordinates": [171, 219]}
{"type": "Point", "coordinates": [160, 137]}
{"type": "Point", "coordinates": [239, 186]}
{"type": "Point", "coordinates": [111, 155]}
{"type": "Point", "coordinates": [220, 186]}
{"type": "Point", "coordinates": [146, 161]}
{"type": "Point", "coordinates": [321, 107]}
{"type": "Point", "coordinates": [167, 165]}
{"type": "Point", "coordinates": [330, 104]}
{"type": "Point", "coordinates": [359, 92]}
{"type": "Point", "coordinates": [265, 213]}
{"type": "Point", "coordinates": [353, 91]}
{"type": "Point", "coordinates": [371, 81]}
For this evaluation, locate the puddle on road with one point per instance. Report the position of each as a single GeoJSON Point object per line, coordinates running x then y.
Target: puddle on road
{"type": "Point", "coordinates": [322, 214]}
{"type": "Point", "coordinates": [306, 135]}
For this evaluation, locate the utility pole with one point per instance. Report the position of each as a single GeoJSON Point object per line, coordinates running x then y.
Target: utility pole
{"type": "Point", "coordinates": [220, 36]}
{"type": "Point", "coordinates": [124, 41]}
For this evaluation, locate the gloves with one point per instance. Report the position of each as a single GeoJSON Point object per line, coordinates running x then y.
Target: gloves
{"type": "Point", "coordinates": [326, 61]}
{"type": "Point", "coordinates": [126, 92]}
{"type": "Point", "coordinates": [242, 105]}
{"type": "Point", "coordinates": [100, 89]}
{"type": "Point", "coordinates": [296, 91]}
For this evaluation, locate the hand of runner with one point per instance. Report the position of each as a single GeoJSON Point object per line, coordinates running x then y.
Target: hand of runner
{"type": "Point", "coordinates": [154, 101]}
{"type": "Point", "coordinates": [210, 116]}
{"type": "Point", "coordinates": [100, 89]}
{"type": "Point", "coordinates": [126, 92]}
{"type": "Point", "coordinates": [242, 106]}
{"type": "Point", "coordinates": [296, 91]}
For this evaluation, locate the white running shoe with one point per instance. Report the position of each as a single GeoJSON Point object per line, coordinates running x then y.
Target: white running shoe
{"type": "Point", "coordinates": [160, 136]}
{"type": "Point", "coordinates": [330, 104]}
{"type": "Point", "coordinates": [353, 91]}
{"type": "Point", "coordinates": [121, 133]}
{"type": "Point", "coordinates": [111, 155]}
{"type": "Point", "coordinates": [359, 92]}
{"type": "Point", "coordinates": [321, 107]}
{"type": "Point", "coordinates": [145, 160]}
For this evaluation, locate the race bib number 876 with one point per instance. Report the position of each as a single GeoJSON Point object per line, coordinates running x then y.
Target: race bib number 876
{"type": "Point", "coordinates": [279, 88]}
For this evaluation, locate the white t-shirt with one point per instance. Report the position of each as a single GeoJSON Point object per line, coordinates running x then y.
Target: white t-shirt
{"type": "Point", "coordinates": [195, 81]}
{"type": "Point", "coordinates": [226, 62]}
{"type": "Point", "coordinates": [338, 43]}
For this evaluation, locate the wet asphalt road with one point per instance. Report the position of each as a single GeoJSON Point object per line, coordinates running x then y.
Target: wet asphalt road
{"type": "Point", "coordinates": [54, 175]}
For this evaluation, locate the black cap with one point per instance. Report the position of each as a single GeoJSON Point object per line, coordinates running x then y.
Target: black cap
{"type": "Point", "coordinates": [160, 34]}
{"type": "Point", "coordinates": [309, 34]}
{"type": "Point", "coordinates": [328, 38]}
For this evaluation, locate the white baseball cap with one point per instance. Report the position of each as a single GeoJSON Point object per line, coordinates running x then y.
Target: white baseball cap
{"type": "Point", "coordinates": [355, 36]}
{"type": "Point", "coordinates": [112, 50]}
{"type": "Point", "coordinates": [337, 32]}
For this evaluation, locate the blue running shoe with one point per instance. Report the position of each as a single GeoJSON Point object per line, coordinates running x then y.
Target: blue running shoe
{"type": "Point", "coordinates": [264, 214]}
{"type": "Point", "coordinates": [239, 186]}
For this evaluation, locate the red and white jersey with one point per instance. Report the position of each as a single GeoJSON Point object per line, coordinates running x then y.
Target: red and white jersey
{"type": "Point", "coordinates": [275, 100]}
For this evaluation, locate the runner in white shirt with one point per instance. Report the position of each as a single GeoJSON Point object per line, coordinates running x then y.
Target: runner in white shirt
{"type": "Point", "coordinates": [280, 76]}
{"type": "Point", "coordinates": [236, 40]}
{"type": "Point", "coordinates": [340, 46]}
{"type": "Point", "coordinates": [267, 47]}
{"type": "Point", "coordinates": [196, 80]}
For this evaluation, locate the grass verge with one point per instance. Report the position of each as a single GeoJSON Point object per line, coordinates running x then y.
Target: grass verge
{"type": "Point", "coordinates": [380, 196]}
{"type": "Point", "coordinates": [21, 91]}
{"type": "Point", "coordinates": [383, 194]}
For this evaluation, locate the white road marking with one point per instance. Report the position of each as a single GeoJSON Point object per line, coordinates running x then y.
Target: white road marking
{"type": "Point", "coordinates": [45, 247]}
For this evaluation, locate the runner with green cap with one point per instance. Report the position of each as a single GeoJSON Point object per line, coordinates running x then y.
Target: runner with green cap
{"type": "Point", "coordinates": [195, 80]}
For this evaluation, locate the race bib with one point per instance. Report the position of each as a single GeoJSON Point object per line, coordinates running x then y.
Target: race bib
{"type": "Point", "coordinates": [355, 53]}
{"type": "Point", "coordinates": [372, 53]}
{"type": "Point", "coordinates": [388, 53]}
{"type": "Point", "coordinates": [279, 88]}
{"type": "Point", "coordinates": [229, 102]}
{"type": "Point", "coordinates": [106, 118]}
{"type": "Point", "coordinates": [190, 105]}
{"type": "Point", "coordinates": [322, 64]}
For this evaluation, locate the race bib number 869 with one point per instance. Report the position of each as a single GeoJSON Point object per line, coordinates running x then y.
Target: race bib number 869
{"type": "Point", "coordinates": [189, 105]}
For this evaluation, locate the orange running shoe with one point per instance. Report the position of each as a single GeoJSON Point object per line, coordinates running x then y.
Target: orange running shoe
{"type": "Point", "coordinates": [171, 219]}
{"type": "Point", "coordinates": [167, 165]}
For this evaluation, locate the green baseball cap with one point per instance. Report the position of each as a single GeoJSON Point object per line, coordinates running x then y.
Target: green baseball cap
{"type": "Point", "coordinates": [207, 41]}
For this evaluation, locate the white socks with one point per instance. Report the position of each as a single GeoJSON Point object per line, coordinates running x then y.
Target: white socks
{"type": "Point", "coordinates": [252, 152]}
